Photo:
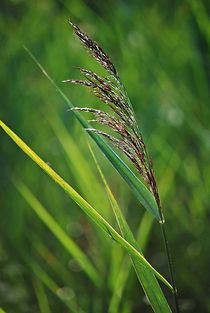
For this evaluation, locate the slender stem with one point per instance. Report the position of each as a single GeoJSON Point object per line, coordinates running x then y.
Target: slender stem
{"type": "Point", "coordinates": [170, 265]}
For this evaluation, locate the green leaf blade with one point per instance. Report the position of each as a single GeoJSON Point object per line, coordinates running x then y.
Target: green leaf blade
{"type": "Point", "coordinates": [71, 247]}
{"type": "Point", "coordinates": [142, 193]}
{"type": "Point", "coordinates": [83, 204]}
{"type": "Point", "coordinates": [146, 278]}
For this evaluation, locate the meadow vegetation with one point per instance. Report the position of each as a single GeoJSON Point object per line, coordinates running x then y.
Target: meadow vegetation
{"type": "Point", "coordinates": [53, 258]}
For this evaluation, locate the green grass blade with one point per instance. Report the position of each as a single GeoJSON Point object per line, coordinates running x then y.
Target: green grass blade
{"type": "Point", "coordinates": [58, 232]}
{"type": "Point", "coordinates": [75, 157]}
{"type": "Point", "coordinates": [2, 311]}
{"type": "Point", "coordinates": [117, 294]}
{"type": "Point", "coordinates": [146, 277]}
{"type": "Point", "coordinates": [82, 174]}
{"type": "Point", "coordinates": [121, 278]}
{"type": "Point", "coordinates": [83, 204]}
{"type": "Point", "coordinates": [140, 190]}
{"type": "Point", "coordinates": [41, 297]}
{"type": "Point", "coordinates": [144, 230]}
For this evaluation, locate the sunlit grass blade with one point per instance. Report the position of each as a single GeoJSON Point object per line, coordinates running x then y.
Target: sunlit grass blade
{"type": "Point", "coordinates": [116, 257]}
{"type": "Point", "coordinates": [146, 277]}
{"type": "Point", "coordinates": [41, 296]}
{"type": "Point", "coordinates": [143, 233]}
{"type": "Point", "coordinates": [141, 191]}
{"type": "Point", "coordinates": [2, 311]}
{"type": "Point", "coordinates": [144, 230]}
{"type": "Point", "coordinates": [84, 205]}
{"type": "Point", "coordinates": [82, 174]}
{"type": "Point", "coordinates": [58, 232]}
{"type": "Point", "coordinates": [122, 277]}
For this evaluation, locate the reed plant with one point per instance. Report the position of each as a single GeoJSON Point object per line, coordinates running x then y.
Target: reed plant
{"type": "Point", "coordinates": [127, 136]}
{"type": "Point", "coordinates": [123, 134]}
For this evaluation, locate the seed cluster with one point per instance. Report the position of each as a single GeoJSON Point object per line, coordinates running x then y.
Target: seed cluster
{"type": "Point", "coordinates": [111, 91]}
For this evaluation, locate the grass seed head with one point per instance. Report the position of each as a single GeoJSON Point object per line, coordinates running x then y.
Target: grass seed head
{"type": "Point", "coordinates": [111, 92]}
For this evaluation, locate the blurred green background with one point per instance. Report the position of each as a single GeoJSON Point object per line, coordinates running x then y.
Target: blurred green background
{"type": "Point", "coordinates": [161, 50]}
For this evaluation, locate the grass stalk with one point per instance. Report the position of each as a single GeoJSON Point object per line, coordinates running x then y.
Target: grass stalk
{"type": "Point", "coordinates": [142, 193]}
{"type": "Point", "coordinates": [170, 265]}
{"type": "Point", "coordinates": [128, 235]}
{"type": "Point", "coordinates": [71, 247]}
{"type": "Point", "coordinates": [83, 204]}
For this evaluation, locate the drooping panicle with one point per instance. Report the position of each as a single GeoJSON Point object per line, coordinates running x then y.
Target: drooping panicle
{"type": "Point", "coordinates": [122, 121]}
{"type": "Point", "coordinates": [96, 51]}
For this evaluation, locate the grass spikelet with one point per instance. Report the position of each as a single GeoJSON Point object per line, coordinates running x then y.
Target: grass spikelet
{"type": "Point", "coordinates": [96, 51]}
{"type": "Point", "coordinates": [111, 91]}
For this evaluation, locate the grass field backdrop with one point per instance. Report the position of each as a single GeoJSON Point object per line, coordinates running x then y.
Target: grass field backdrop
{"type": "Point", "coordinates": [52, 258]}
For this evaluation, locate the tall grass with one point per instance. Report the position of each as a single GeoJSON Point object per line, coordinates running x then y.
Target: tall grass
{"type": "Point", "coordinates": [144, 269]}
{"type": "Point", "coordinates": [161, 55]}
{"type": "Point", "coordinates": [132, 144]}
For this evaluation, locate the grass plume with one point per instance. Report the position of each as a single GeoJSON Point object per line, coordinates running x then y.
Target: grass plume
{"type": "Point", "coordinates": [112, 93]}
{"type": "Point", "coordinates": [122, 122]}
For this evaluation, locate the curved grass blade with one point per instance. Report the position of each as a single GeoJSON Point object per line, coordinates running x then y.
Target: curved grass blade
{"type": "Point", "coordinates": [145, 226]}
{"type": "Point", "coordinates": [120, 283]}
{"type": "Point", "coordinates": [82, 174]}
{"type": "Point", "coordinates": [58, 232]}
{"type": "Point", "coordinates": [140, 190]}
{"type": "Point", "coordinates": [146, 277]}
{"type": "Point", "coordinates": [83, 204]}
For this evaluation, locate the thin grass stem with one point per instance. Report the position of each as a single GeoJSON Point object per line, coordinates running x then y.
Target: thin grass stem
{"type": "Point", "coordinates": [169, 259]}
{"type": "Point", "coordinates": [170, 266]}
